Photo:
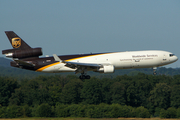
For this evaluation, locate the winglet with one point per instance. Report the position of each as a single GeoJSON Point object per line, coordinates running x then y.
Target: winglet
{"type": "Point", "coordinates": [56, 58]}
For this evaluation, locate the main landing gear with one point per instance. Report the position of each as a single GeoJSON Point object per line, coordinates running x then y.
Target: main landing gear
{"type": "Point", "coordinates": [84, 76]}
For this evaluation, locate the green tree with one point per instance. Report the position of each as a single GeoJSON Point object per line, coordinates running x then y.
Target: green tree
{"type": "Point", "coordinates": [92, 91]}
{"type": "Point", "coordinates": [176, 80]}
{"type": "Point", "coordinates": [175, 96]}
{"type": "Point", "coordinates": [14, 111]}
{"type": "Point", "coordinates": [106, 87]}
{"type": "Point", "coordinates": [160, 96]}
{"type": "Point", "coordinates": [32, 93]}
{"type": "Point", "coordinates": [138, 92]}
{"type": "Point", "coordinates": [178, 113]}
{"type": "Point", "coordinates": [118, 110]}
{"type": "Point", "coordinates": [163, 113]}
{"type": "Point", "coordinates": [44, 110]}
{"type": "Point", "coordinates": [142, 112]}
{"type": "Point", "coordinates": [171, 112]}
{"type": "Point", "coordinates": [3, 112]}
{"type": "Point", "coordinates": [157, 112]}
{"type": "Point", "coordinates": [61, 110]}
{"type": "Point", "coordinates": [7, 87]}
{"type": "Point", "coordinates": [55, 92]}
{"type": "Point", "coordinates": [118, 93]}
{"type": "Point", "coordinates": [71, 92]}
{"type": "Point", "coordinates": [26, 110]}
{"type": "Point", "coordinates": [17, 98]}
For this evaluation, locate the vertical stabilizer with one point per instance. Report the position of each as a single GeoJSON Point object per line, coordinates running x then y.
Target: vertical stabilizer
{"type": "Point", "coordinates": [20, 49]}
{"type": "Point", "coordinates": [16, 41]}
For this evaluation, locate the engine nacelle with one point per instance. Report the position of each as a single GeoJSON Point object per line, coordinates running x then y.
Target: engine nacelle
{"type": "Point", "coordinates": [106, 69]}
{"type": "Point", "coordinates": [15, 53]}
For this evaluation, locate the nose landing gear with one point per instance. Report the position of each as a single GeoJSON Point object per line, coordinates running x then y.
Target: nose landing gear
{"type": "Point", "coordinates": [154, 70]}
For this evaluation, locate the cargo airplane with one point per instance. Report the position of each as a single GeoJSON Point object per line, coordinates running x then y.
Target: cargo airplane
{"type": "Point", "coordinates": [26, 57]}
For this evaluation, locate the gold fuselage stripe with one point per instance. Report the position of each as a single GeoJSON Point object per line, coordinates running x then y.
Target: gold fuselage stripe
{"type": "Point", "coordinates": [42, 68]}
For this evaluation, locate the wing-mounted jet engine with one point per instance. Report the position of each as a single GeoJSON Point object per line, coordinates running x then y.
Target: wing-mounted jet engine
{"type": "Point", "coordinates": [105, 69]}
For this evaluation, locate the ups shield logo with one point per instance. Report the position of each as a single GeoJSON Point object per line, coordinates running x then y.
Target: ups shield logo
{"type": "Point", "coordinates": [16, 42]}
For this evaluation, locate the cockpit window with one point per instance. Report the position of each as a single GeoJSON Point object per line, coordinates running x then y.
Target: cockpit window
{"type": "Point", "coordinates": [171, 55]}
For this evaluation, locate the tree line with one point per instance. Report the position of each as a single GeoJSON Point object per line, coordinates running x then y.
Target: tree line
{"type": "Point", "coordinates": [140, 95]}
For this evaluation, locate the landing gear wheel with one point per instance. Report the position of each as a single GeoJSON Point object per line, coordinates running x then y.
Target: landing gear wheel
{"type": "Point", "coordinates": [87, 77]}
{"type": "Point", "coordinates": [154, 73]}
{"type": "Point", "coordinates": [82, 77]}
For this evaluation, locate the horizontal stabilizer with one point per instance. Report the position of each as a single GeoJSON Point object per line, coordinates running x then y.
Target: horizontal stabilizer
{"type": "Point", "coordinates": [24, 63]}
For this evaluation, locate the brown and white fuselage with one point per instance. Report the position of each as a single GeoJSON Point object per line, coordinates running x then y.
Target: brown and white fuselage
{"type": "Point", "coordinates": [28, 58]}
{"type": "Point", "coordinates": [115, 60]}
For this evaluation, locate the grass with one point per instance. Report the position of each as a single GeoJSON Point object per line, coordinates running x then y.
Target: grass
{"type": "Point", "coordinates": [87, 119]}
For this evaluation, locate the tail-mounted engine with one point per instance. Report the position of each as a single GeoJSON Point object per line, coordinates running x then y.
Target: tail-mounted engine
{"type": "Point", "coordinates": [23, 53]}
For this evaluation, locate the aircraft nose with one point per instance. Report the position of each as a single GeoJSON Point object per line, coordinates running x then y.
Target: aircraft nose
{"type": "Point", "coordinates": [176, 58]}
{"type": "Point", "coordinates": [173, 57]}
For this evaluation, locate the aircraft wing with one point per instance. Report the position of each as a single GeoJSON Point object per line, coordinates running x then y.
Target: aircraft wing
{"type": "Point", "coordinates": [77, 64]}
{"type": "Point", "coordinates": [81, 67]}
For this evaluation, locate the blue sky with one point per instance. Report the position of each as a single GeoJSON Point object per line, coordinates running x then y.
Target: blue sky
{"type": "Point", "coordinates": [82, 26]}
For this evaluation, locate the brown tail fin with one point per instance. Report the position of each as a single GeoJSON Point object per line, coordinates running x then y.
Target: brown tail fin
{"type": "Point", "coordinates": [16, 41]}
